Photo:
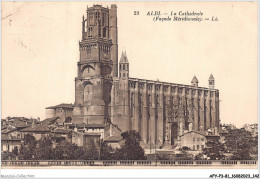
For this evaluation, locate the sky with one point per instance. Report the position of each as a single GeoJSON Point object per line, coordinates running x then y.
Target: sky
{"type": "Point", "coordinates": [40, 52]}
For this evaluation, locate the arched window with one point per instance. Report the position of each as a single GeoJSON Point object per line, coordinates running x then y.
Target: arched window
{"type": "Point", "coordinates": [88, 71]}
{"type": "Point", "coordinates": [88, 91]}
{"type": "Point", "coordinates": [68, 120]}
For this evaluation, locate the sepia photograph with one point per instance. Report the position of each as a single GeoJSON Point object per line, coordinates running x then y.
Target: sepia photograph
{"type": "Point", "coordinates": [129, 85]}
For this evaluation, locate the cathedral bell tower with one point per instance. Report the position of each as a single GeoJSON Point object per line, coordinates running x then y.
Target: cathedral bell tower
{"type": "Point", "coordinates": [124, 66]}
{"type": "Point", "coordinates": [211, 82]}
{"type": "Point", "coordinates": [97, 65]}
{"type": "Point", "coordinates": [124, 96]}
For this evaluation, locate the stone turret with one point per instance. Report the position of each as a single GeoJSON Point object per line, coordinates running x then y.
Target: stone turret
{"type": "Point", "coordinates": [211, 82]}
{"type": "Point", "coordinates": [123, 66]}
{"type": "Point", "coordinates": [194, 81]}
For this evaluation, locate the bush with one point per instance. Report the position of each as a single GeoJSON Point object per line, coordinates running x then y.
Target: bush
{"type": "Point", "coordinates": [131, 150]}
{"type": "Point", "coordinates": [7, 155]}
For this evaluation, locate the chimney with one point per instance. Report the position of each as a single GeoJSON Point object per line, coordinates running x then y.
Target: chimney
{"type": "Point", "coordinates": [33, 123]}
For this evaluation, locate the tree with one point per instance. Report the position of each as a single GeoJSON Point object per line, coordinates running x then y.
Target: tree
{"type": "Point", "coordinates": [66, 150]}
{"type": "Point", "coordinates": [105, 151]}
{"type": "Point", "coordinates": [74, 152]}
{"type": "Point", "coordinates": [241, 154]}
{"type": "Point", "coordinates": [44, 149]}
{"type": "Point", "coordinates": [15, 151]}
{"type": "Point", "coordinates": [131, 150]}
{"type": "Point", "coordinates": [30, 140]}
{"type": "Point", "coordinates": [91, 152]}
{"type": "Point", "coordinates": [241, 143]}
{"type": "Point", "coordinates": [214, 150]}
{"type": "Point", "coordinates": [254, 148]}
{"type": "Point", "coordinates": [199, 156]}
{"type": "Point", "coordinates": [184, 149]}
{"type": "Point", "coordinates": [184, 154]}
{"type": "Point", "coordinates": [28, 147]}
{"type": "Point", "coordinates": [6, 155]}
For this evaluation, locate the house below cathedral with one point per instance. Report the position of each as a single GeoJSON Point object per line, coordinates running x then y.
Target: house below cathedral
{"type": "Point", "coordinates": [106, 95]}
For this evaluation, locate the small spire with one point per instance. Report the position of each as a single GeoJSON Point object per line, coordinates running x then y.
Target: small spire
{"type": "Point", "coordinates": [33, 123]}
{"type": "Point", "coordinates": [194, 79]}
{"type": "Point", "coordinates": [211, 77]}
{"type": "Point", "coordinates": [123, 58]}
{"type": "Point", "coordinates": [211, 82]}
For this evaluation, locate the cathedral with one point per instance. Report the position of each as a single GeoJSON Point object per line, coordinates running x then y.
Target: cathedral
{"type": "Point", "coordinates": [105, 94]}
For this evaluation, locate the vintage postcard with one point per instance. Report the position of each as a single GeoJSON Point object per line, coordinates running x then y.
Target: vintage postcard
{"type": "Point", "coordinates": [164, 85]}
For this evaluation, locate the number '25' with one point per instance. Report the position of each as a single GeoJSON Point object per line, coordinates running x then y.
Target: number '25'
{"type": "Point", "coordinates": [136, 13]}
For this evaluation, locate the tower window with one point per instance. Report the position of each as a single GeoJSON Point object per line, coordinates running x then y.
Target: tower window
{"type": "Point", "coordinates": [104, 32]}
{"type": "Point", "coordinates": [123, 75]}
{"type": "Point", "coordinates": [123, 67]}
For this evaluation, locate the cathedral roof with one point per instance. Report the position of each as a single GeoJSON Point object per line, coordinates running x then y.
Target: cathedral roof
{"type": "Point", "coordinates": [194, 80]}
{"type": "Point", "coordinates": [211, 77]}
{"type": "Point", "coordinates": [123, 58]}
{"type": "Point", "coordinates": [63, 105]}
